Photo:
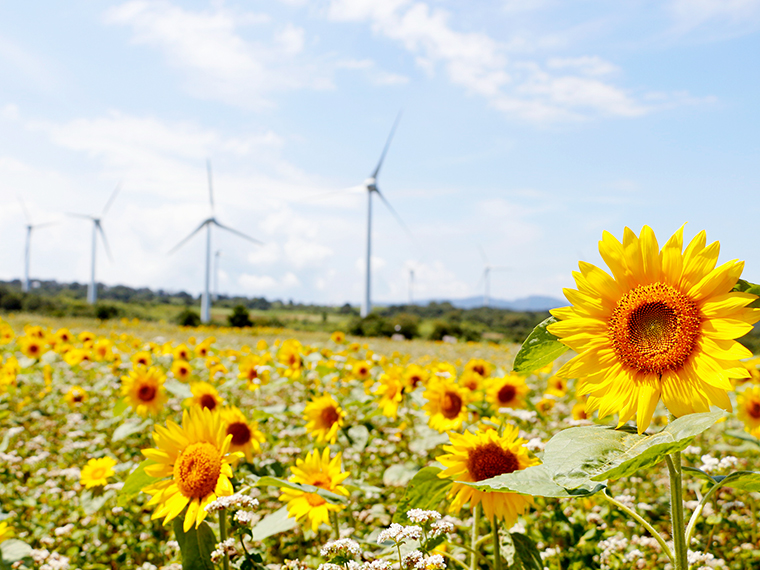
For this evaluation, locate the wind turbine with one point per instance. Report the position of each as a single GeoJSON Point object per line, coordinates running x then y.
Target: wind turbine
{"type": "Point", "coordinates": [207, 223]}
{"type": "Point", "coordinates": [92, 288]}
{"type": "Point", "coordinates": [486, 276]}
{"type": "Point", "coordinates": [25, 284]}
{"type": "Point", "coordinates": [411, 285]}
{"type": "Point", "coordinates": [217, 254]}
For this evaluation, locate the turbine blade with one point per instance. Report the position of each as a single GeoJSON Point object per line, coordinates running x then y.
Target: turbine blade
{"type": "Point", "coordinates": [210, 186]}
{"type": "Point", "coordinates": [111, 199]}
{"type": "Point", "coordinates": [395, 215]}
{"type": "Point", "coordinates": [241, 234]}
{"type": "Point", "coordinates": [26, 212]}
{"type": "Point", "coordinates": [483, 254]}
{"type": "Point", "coordinates": [105, 241]}
{"type": "Point", "coordinates": [180, 244]}
{"type": "Point", "coordinates": [387, 144]}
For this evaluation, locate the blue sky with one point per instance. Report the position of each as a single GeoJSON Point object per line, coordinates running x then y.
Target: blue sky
{"type": "Point", "coordinates": [528, 128]}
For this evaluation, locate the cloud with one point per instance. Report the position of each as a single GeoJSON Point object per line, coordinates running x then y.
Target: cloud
{"type": "Point", "coordinates": [255, 284]}
{"type": "Point", "coordinates": [306, 253]}
{"type": "Point", "coordinates": [717, 19]}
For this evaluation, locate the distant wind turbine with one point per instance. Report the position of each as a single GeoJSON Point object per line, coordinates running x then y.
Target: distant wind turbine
{"type": "Point", "coordinates": [411, 286]}
{"type": "Point", "coordinates": [92, 288]}
{"type": "Point", "coordinates": [217, 254]}
{"type": "Point", "coordinates": [486, 276]}
{"type": "Point", "coordinates": [25, 285]}
{"type": "Point", "coordinates": [207, 223]}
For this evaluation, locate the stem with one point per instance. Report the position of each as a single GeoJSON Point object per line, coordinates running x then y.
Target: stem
{"type": "Point", "coordinates": [400, 561]}
{"type": "Point", "coordinates": [474, 536]}
{"type": "Point", "coordinates": [496, 544]}
{"type": "Point", "coordinates": [680, 546]}
{"type": "Point", "coordinates": [643, 522]}
{"type": "Point", "coordinates": [453, 558]}
{"type": "Point", "coordinates": [336, 523]}
{"type": "Point", "coordinates": [698, 511]}
{"type": "Point", "coordinates": [223, 537]}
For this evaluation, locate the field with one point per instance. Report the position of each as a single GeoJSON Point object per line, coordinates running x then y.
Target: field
{"type": "Point", "coordinates": [80, 399]}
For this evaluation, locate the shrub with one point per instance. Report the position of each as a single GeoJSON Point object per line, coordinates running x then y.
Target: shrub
{"type": "Point", "coordinates": [239, 317]}
{"type": "Point", "coordinates": [371, 325]}
{"type": "Point", "coordinates": [105, 311]}
{"type": "Point", "coordinates": [188, 318]}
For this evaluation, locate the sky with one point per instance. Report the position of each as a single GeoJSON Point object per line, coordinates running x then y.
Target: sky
{"type": "Point", "coordinates": [528, 128]}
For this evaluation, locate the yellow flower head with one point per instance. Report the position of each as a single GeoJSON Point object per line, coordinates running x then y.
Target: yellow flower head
{"type": "Point", "coordinates": [324, 418]}
{"type": "Point", "coordinates": [76, 356]}
{"type": "Point", "coordinates": [102, 350]}
{"type": "Point", "coordinates": [6, 333]}
{"type": "Point", "coordinates": [415, 375]}
{"type": "Point", "coordinates": [391, 392]}
{"type": "Point", "coordinates": [661, 327]}
{"type": "Point", "coordinates": [557, 386]}
{"type": "Point", "coordinates": [246, 436]}
{"type": "Point", "coordinates": [446, 405]}
{"type": "Point", "coordinates": [202, 349]}
{"type": "Point", "coordinates": [252, 370]}
{"type": "Point", "coordinates": [144, 390]}
{"type": "Point", "coordinates": [181, 352]}
{"type": "Point", "coordinates": [482, 455]}
{"type": "Point", "coordinates": [507, 392]}
{"type": "Point", "coordinates": [204, 396]}
{"type": "Point", "coordinates": [749, 409]}
{"type": "Point", "coordinates": [86, 338]}
{"type": "Point", "coordinates": [182, 370]}
{"type": "Point", "coordinates": [289, 354]}
{"type": "Point", "coordinates": [6, 531]}
{"type": "Point", "coordinates": [579, 410]}
{"type": "Point", "coordinates": [319, 471]}
{"type": "Point", "coordinates": [338, 337]}
{"type": "Point", "coordinates": [75, 396]}
{"type": "Point", "coordinates": [32, 346]}
{"type": "Point", "coordinates": [194, 464]}
{"type": "Point", "coordinates": [480, 367]}
{"type": "Point", "coordinates": [142, 358]}
{"type": "Point", "coordinates": [361, 370]}
{"type": "Point", "coordinates": [97, 472]}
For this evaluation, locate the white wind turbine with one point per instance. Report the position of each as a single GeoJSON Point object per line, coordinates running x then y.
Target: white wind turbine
{"type": "Point", "coordinates": [486, 276]}
{"type": "Point", "coordinates": [207, 223]}
{"type": "Point", "coordinates": [97, 227]}
{"type": "Point", "coordinates": [30, 227]}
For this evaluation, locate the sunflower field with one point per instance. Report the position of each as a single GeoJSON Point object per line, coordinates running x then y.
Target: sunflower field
{"type": "Point", "coordinates": [138, 445]}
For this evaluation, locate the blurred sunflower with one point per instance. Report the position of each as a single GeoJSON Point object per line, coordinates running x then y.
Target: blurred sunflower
{"type": "Point", "coordinates": [391, 392]}
{"type": "Point", "coordinates": [142, 358]}
{"type": "Point", "coordinates": [579, 410]}
{"type": "Point", "coordinates": [97, 472]}
{"type": "Point", "coordinates": [289, 354]}
{"type": "Point", "coordinates": [415, 375]}
{"type": "Point", "coordinates": [556, 386]}
{"type": "Point", "coordinates": [479, 367]}
{"type": "Point", "coordinates": [194, 464]}
{"type": "Point", "coordinates": [102, 350]}
{"type": "Point", "coordinates": [446, 405]}
{"type": "Point", "coordinates": [546, 403]}
{"type": "Point", "coordinates": [319, 471]}
{"type": "Point", "coordinates": [661, 327]}
{"type": "Point", "coordinates": [338, 337]}
{"type": "Point", "coordinates": [246, 436]}
{"type": "Point", "coordinates": [482, 455]}
{"type": "Point", "coordinates": [64, 336]}
{"type": "Point", "coordinates": [6, 531]}
{"type": "Point", "coordinates": [6, 333]}
{"type": "Point", "coordinates": [252, 370]}
{"type": "Point", "coordinates": [324, 418]}
{"type": "Point", "coordinates": [202, 349]}
{"type": "Point", "coordinates": [181, 370]}
{"type": "Point", "coordinates": [144, 390]}
{"type": "Point", "coordinates": [507, 392]}
{"type": "Point", "coordinates": [76, 356]}
{"type": "Point", "coordinates": [75, 396]}
{"type": "Point", "coordinates": [86, 338]}
{"type": "Point", "coordinates": [749, 409]}
{"type": "Point", "coordinates": [471, 380]}
{"type": "Point", "coordinates": [181, 352]}
{"type": "Point", "coordinates": [361, 370]}
{"type": "Point", "coordinates": [31, 346]}
{"type": "Point", "coordinates": [204, 396]}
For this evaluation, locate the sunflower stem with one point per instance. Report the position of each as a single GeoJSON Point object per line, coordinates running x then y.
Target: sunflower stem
{"type": "Point", "coordinates": [223, 537]}
{"type": "Point", "coordinates": [474, 536]}
{"type": "Point", "coordinates": [676, 507]}
{"type": "Point", "coordinates": [698, 511]}
{"type": "Point", "coordinates": [643, 522]}
{"type": "Point", "coordinates": [336, 524]}
{"type": "Point", "coordinates": [497, 544]}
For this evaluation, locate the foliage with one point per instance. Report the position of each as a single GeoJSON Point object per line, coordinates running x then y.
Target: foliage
{"type": "Point", "coordinates": [240, 317]}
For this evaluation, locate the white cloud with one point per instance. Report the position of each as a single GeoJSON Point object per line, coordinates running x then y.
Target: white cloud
{"type": "Point", "coordinates": [306, 253]}
{"type": "Point", "coordinates": [257, 283]}
{"type": "Point", "coordinates": [716, 17]}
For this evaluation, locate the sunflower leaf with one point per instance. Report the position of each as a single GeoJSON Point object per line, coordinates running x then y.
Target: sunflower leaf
{"type": "Point", "coordinates": [425, 491]}
{"type": "Point", "coordinates": [743, 286]}
{"type": "Point", "coordinates": [742, 480]}
{"type": "Point", "coordinates": [136, 481]}
{"type": "Point", "coordinates": [527, 552]}
{"type": "Point", "coordinates": [272, 524]}
{"type": "Point", "coordinates": [539, 349]}
{"type": "Point", "coordinates": [328, 496]}
{"type": "Point", "coordinates": [130, 427]}
{"type": "Point", "coordinates": [699, 474]}
{"type": "Point", "coordinates": [536, 481]}
{"type": "Point", "coordinates": [196, 545]}
{"type": "Point", "coordinates": [13, 550]}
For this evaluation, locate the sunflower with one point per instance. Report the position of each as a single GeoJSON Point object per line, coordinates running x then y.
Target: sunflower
{"type": "Point", "coordinates": [252, 369]}
{"type": "Point", "coordinates": [414, 375]}
{"type": "Point", "coordinates": [289, 354]}
{"type": "Point", "coordinates": [319, 471]}
{"type": "Point", "coordinates": [391, 392]}
{"type": "Point", "coordinates": [246, 436]}
{"type": "Point", "coordinates": [446, 405]}
{"type": "Point", "coordinates": [194, 464]}
{"type": "Point", "coordinates": [482, 455]}
{"type": "Point", "coordinates": [579, 410]}
{"type": "Point", "coordinates": [76, 356]}
{"type": "Point", "coordinates": [75, 396]}
{"type": "Point", "coordinates": [749, 409]}
{"type": "Point", "coordinates": [31, 346]}
{"type": "Point", "coordinates": [6, 531]}
{"type": "Point", "coordinates": [181, 370]}
{"type": "Point", "coordinates": [181, 352]}
{"type": "Point", "coordinates": [97, 472]}
{"type": "Point", "coordinates": [507, 392]}
{"type": "Point", "coordinates": [479, 366]}
{"type": "Point", "coordinates": [661, 327]}
{"type": "Point", "coordinates": [557, 386]}
{"type": "Point", "coordinates": [324, 418]}
{"type": "Point", "coordinates": [361, 370]}
{"type": "Point", "coordinates": [204, 396]}
{"type": "Point", "coordinates": [102, 350]}
{"type": "Point", "coordinates": [471, 380]}
{"type": "Point", "coordinates": [338, 337]}
{"type": "Point", "coordinates": [144, 390]}
{"type": "Point", "coordinates": [142, 357]}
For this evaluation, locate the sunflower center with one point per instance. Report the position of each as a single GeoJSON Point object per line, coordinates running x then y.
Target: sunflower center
{"type": "Point", "coordinates": [507, 393]}
{"type": "Point", "coordinates": [479, 369]}
{"type": "Point", "coordinates": [490, 460]}
{"type": "Point", "coordinates": [754, 410]}
{"type": "Point", "coordinates": [208, 401]}
{"type": "Point", "coordinates": [329, 416]}
{"type": "Point", "coordinates": [314, 500]}
{"type": "Point", "coordinates": [241, 433]}
{"type": "Point", "coordinates": [654, 328]}
{"type": "Point", "coordinates": [414, 380]}
{"type": "Point", "coordinates": [197, 470]}
{"type": "Point", "coordinates": [451, 405]}
{"type": "Point", "coordinates": [146, 393]}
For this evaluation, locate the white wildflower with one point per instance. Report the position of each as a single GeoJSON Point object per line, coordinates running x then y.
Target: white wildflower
{"type": "Point", "coordinates": [341, 547]}
{"type": "Point", "coordinates": [441, 527]}
{"type": "Point", "coordinates": [432, 562]}
{"type": "Point", "coordinates": [421, 516]}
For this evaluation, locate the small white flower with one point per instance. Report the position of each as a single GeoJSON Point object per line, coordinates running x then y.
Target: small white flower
{"type": "Point", "coordinates": [441, 527]}
{"type": "Point", "coordinates": [432, 562]}
{"type": "Point", "coordinates": [421, 516]}
{"type": "Point", "coordinates": [342, 546]}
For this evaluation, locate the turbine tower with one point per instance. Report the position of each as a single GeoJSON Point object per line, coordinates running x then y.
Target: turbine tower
{"type": "Point", "coordinates": [486, 276]}
{"type": "Point", "coordinates": [97, 228]}
{"type": "Point", "coordinates": [25, 284]}
{"type": "Point", "coordinates": [207, 223]}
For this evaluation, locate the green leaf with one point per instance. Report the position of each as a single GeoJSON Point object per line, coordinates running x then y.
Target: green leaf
{"type": "Point", "coordinates": [536, 481]}
{"type": "Point", "coordinates": [743, 286]}
{"type": "Point", "coordinates": [12, 550]}
{"type": "Point", "coordinates": [273, 524]}
{"type": "Point", "coordinates": [424, 491]}
{"type": "Point", "coordinates": [741, 480]}
{"type": "Point", "coordinates": [539, 349]}
{"type": "Point", "coordinates": [738, 435]}
{"type": "Point", "coordinates": [120, 407]}
{"type": "Point", "coordinates": [177, 388]}
{"type": "Point", "coordinates": [135, 483]}
{"type": "Point", "coordinates": [196, 545]}
{"type": "Point", "coordinates": [130, 427]}
{"type": "Point", "coordinates": [699, 474]}
{"type": "Point", "coordinates": [282, 483]}
{"type": "Point", "coordinates": [526, 552]}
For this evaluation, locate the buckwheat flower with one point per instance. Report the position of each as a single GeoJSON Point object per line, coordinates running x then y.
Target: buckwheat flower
{"type": "Point", "coordinates": [341, 547]}
{"type": "Point", "coordinates": [708, 463]}
{"type": "Point", "coordinates": [441, 527]}
{"type": "Point", "coordinates": [390, 534]}
{"type": "Point", "coordinates": [411, 559]}
{"type": "Point", "coordinates": [64, 530]}
{"type": "Point", "coordinates": [376, 565]}
{"type": "Point", "coordinates": [421, 516]}
{"type": "Point", "coordinates": [432, 562]}
{"type": "Point", "coordinates": [236, 501]}
{"type": "Point", "coordinates": [245, 517]}
{"type": "Point", "coordinates": [225, 547]}
{"type": "Point", "coordinates": [329, 566]}
{"type": "Point", "coordinates": [728, 462]}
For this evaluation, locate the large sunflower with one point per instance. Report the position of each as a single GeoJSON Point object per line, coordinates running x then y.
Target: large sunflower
{"type": "Point", "coordinates": [194, 464]}
{"type": "Point", "coordinates": [324, 418]}
{"type": "Point", "coordinates": [482, 455]}
{"type": "Point", "coordinates": [661, 327]}
{"type": "Point", "coordinates": [144, 390]}
{"type": "Point", "coordinates": [204, 396]}
{"type": "Point", "coordinates": [319, 471]}
{"type": "Point", "coordinates": [446, 405]}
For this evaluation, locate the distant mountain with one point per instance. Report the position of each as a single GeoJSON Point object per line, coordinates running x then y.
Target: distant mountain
{"type": "Point", "coordinates": [534, 303]}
